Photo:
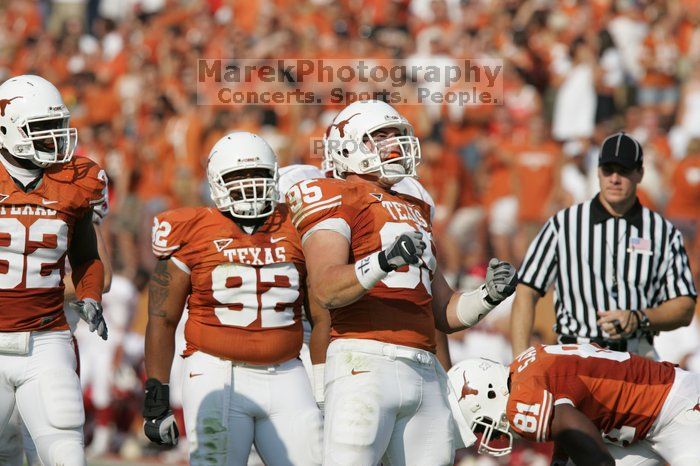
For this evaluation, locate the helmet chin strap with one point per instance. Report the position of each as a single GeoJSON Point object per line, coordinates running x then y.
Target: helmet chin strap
{"type": "Point", "coordinates": [386, 178]}
{"type": "Point", "coordinates": [27, 164]}
{"type": "Point", "coordinates": [248, 225]}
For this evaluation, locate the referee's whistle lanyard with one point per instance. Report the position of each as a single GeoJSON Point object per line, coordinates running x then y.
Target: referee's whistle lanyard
{"type": "Point", "coordinates": [613, 253]}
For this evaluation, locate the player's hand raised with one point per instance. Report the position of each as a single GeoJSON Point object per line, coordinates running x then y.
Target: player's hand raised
{"type": "Point", "coordinates": [406, 249]}
{"type": "Point", "coordinates": [501, 280]}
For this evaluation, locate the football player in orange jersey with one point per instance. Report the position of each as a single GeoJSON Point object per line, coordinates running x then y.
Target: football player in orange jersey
{"type": "Point", "coordinates": [371, 262]}
{"type": "Point", "coordinates": [243, 269]}
{"type": "Point", "coordinates": [46, 207]}
{"type": "Point", "coordinates": [316, 339]}
{"type": "Point", "coordinates": [600, 407]}
{"type": "Point", "coordinates": [15, 441]}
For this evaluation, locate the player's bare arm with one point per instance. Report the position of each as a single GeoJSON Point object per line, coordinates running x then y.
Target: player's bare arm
{"type": "Point", "coordinates": [579, 437]}
{"type": "Point", "coordinates": [332, 280]}
{"type": "Point", "coordinates": [455, 311]}
{"type": "Point", "coordinates": [318, 345]}
{"type": "Point", "coordinates": [104, 257]}
{"type": "Point", "coordinates": [167, 292]}
{"type": "Point", "coordinates": [559, 456]}
{"type": "Point", "coordinates": [522, 317]}
{"type": "Point", "coordinates": [335, 283]}
{"type": "Point", "coordinates": [442, 350]}
{"type": "Point", "coordinates": [320, 332]}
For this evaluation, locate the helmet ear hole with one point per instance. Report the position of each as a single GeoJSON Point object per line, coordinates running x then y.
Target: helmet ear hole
{"type": "Point", "coordinates": [3, 130]}
{"type": "Point", "coordinates": [491, 393]}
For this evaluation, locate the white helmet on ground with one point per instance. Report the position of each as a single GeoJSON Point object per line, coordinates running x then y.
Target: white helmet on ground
{"type": "Point", "coordinates": [481, 386]}
{"type": "Point", "coordinates": [351, 147]}
{"type": "Point", "coordinates": [34, 121]}
{"type": "Point", "coordinates": [247, 197]}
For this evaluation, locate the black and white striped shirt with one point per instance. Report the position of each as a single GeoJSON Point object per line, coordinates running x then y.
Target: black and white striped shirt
{"type": "Point", "coordinates": [600, 262]}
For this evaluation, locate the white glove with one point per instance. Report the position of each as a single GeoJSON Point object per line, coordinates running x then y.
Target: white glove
{"type": "Point", "coordinates": [91, 312]}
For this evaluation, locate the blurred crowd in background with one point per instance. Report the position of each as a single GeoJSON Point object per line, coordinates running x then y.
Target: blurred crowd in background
{"type": "Point", "coordinates": [575, 72]}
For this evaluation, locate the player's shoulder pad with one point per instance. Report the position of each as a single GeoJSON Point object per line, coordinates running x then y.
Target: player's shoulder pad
{"type": "Point", "coordinates": [311, 201]}
{"type": "Point", "coordinates": [413, 187]}
{"type": "Point", "coordinates": [173, 229]}
{"type": "Point", "coordinates": [83, 174]}
{"type": "Point", "coordinates": [292, 174]}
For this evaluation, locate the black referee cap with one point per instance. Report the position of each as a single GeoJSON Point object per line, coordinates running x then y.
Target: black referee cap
{"type": "Point", "coordinates": [622, 149]}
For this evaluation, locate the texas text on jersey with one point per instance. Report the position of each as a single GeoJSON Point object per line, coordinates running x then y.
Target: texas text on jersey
{"type": "Point", "coordinates": [398, 309]}
{"type": "Point", "coordinates": [622, 400]}
{"type": "Point", "coordinates": [36, 229]}
{"type": "Point", "coordinates": [247, 289]}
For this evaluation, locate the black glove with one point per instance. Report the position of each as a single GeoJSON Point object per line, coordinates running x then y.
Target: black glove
{"type": "Point", "coordinates": [501, 280]}
{"type": "Point", "coordinates": [406, 249]}
{"type": "Point", "coordinates": [159, 423]}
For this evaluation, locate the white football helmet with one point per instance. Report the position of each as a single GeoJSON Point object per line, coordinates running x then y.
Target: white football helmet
{"type": "Point", "coordinates": [481, 386]}
{"type": "Point", "coordinates": [34, 121]}
{"type": "Point", "coordinates": [350, 146]}
{"type": "Point", "coordinates": [327, 166]}
{"type": "Point", "coordinates": [245, 198]}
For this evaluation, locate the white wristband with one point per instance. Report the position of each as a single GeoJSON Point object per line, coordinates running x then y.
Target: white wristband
{"type": "Point", "coordinates": [369, 272]}
{"type": "Point", "coordinates": [472, 307]}
{"type": "Point", "coordinates": [319, 382]}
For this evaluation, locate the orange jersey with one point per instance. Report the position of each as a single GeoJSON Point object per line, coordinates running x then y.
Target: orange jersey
{"type": "Point", "coordinates": [398, 309]}
{"type": "Point", "coordinates": [36, 229]}
{"type": "Point", "coordinates": [621, 393]}
{"type": "Point", "coordinates": [536, 169]}
{"type": "Point", "coordinates": [685, 199]}
{"type": "Point", "coordinates": [247, 289]}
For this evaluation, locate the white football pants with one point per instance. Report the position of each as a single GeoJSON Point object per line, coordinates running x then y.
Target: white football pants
{"type": "Point", "coordinates": [11, 450]}
{"type": "Point", "coordinates": [229, 406]}
{"type": "Point", "coordinates": [385, 403]}
{"type": "Point", "coordinates": [96, 371]}
{"type": "Point", "coordinates": [46, 389]}
{"type": "Point", "coordinates": [674, 437]}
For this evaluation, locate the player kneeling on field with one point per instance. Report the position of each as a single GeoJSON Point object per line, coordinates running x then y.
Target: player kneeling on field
{"type": "Point", "coordinates": [243, 269]}
{"type": "Point", "coordinates": [600, 407]}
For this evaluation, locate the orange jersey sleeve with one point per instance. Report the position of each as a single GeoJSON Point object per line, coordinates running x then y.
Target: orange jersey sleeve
{"type": "Point", "coordinates": [82, 183]}
{"type": "Point", "coordinates": [320, 200]}
{"type": "Point", "coordinates": [397, 309]}
{"type": "Point", "coordinates": [172, 231]}
{"type": "Point", "coordinates": [621, 393]}
{"type": "Point", "coordinates": [531, 405]}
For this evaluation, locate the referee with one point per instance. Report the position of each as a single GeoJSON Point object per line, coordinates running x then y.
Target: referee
{"type": "Point", "coordinates": [620, 270]}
